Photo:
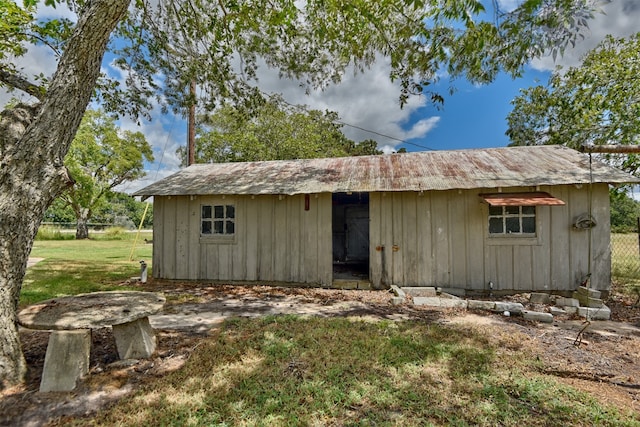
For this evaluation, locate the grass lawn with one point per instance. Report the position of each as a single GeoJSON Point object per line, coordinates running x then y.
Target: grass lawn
{"type": "Point", "coordinates": [77, 266]}
{"type": "Point", "coordinates": [290, 371]}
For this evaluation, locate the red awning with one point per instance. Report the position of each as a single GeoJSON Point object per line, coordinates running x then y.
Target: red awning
{"type": "Point", "coordinates": [521, 199]}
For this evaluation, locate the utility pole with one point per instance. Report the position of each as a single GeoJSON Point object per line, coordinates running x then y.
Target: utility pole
{"type": "Point", "coordinates": [191, 139]}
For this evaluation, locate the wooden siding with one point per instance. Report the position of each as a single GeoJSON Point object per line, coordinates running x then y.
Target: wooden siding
{"type": "Point", "coordinates": [435, 238]}
{"type": "Point", "coordinates": [275, 240]}
{"type": "Point", "coordinates": [440, 238]}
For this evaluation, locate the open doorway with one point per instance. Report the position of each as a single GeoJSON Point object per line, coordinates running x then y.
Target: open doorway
{"type": "Point", "coordinates": [350, 219]}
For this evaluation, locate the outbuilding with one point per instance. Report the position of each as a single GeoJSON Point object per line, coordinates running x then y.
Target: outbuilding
{"type": "Point", "coordinates": [501, 220]}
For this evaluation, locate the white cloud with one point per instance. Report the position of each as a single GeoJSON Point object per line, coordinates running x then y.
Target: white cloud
{"type": "Point", "coordinates": [620, 18]}
{"type": "Point", "coordinates": [366, 100]}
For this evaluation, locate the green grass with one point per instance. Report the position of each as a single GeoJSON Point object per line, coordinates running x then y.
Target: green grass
{"type": "Point", "coordinates": [288, 370]}
{"type": "Point", "coordinates": [77, 266]}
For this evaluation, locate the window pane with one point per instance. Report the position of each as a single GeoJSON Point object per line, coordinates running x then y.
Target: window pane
{"type": "Point", "coordinates": [206, 212]}
{"type": "Point", "coordinates": [206, 227]}
{"type": "Point", "coordinates": [495, 226]}
{"type": "Point", "coordinates": [513, 225]}
{"type": "Point", "coordinates": [529, 225]}
{"type": "Point", "coordinates": [528, 210]}
{"type": "Point", "coordinates": [231, 227]}
{"type": "Point", "coordinates": [495, 210]}
{"type": "Point", "coordinates": [513, 210]}
{"type": "Point", "coordinates": [231, 211]}
{"type": "Point", "coordinates": [218, 211]}
{"type": "Point", "coordinates": [218, 227]}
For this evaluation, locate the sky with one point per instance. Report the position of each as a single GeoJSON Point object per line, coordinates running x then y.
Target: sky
{"type": "Point", "coordinates": [472, 117]}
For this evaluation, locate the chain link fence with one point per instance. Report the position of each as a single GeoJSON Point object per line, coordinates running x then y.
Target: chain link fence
{"type": "Point", "coordinates": [625, 261]}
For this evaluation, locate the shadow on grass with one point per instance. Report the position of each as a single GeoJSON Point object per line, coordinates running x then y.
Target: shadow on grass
{"type": "Point", "coordinates": [287, 370]}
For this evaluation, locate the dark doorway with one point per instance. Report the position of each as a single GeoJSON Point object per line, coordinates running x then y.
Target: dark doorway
{"type": "Point", "coordinates": [350, 236]}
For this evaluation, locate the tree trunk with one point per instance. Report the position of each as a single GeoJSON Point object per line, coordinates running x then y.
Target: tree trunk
{"type": "Point", "coordinates": [33, 143]}
{"type": "Point", "coordinates": [82, 228]}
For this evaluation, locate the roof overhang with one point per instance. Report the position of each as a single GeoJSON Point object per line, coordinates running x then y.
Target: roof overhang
{"type": "Point", "coordinates": [522, 199]}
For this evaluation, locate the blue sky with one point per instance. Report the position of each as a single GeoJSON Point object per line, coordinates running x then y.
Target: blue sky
{"type": "Point", "coordinates": [473, 117]}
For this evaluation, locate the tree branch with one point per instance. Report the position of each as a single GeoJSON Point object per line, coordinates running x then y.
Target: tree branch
{"type": "Point", "coordinates": [18, 82]}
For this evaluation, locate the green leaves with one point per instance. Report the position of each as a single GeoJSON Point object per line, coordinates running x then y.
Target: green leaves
{"type": "Point", "coordinates": [274, 130]}
{"type": "Point", "coordinates": [102, 157]}
{"type": "Point", "coordinates": [596, 103]}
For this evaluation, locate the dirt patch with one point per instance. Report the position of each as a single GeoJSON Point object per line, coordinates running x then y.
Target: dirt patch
{"type": "Point", "coordinates": [602, 358]}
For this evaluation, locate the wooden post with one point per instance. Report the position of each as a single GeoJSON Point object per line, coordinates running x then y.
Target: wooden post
{"type": "Point", "coordinates": [191, 142]}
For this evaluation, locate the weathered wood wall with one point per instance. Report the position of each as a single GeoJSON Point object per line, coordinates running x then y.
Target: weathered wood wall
{"type": "Point", "coordinates": [440, 238]}
{"type": "Point", "coordinates": [437, 238]}
{"type": "Point", "coordinates": [275, 240]}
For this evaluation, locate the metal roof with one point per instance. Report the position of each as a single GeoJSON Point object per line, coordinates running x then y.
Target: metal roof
{"type": "Point", "coordinates": [420, 171]}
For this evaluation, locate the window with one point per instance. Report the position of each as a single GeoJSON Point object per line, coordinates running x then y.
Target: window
{"type": "Point", "coordinates": [218, 220]}
{"type": "Point", "coordinates": [512, 221]}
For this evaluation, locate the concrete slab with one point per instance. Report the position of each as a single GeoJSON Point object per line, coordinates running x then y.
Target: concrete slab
{"type": "Point", "coordinates": [602, 313]}
{"type": "Point", "coordinates": [66, 360]}
{"type": "Point", "coordinates": [481, 305]}
{"type": "Point", "coordinates": [539, 298]}
{"type": "Point", "coordinates": [440, 302]}
{"type": "Point", "coordinates": [135, 340]}
{"type": "Point", "coordinates": [420, 291]}
{"type": "Point", "coordinates": [567, 302]}
{"type": "Point", "coordinates": [537, 316]}
{"type": "Point", "coordinates": [511, 307]}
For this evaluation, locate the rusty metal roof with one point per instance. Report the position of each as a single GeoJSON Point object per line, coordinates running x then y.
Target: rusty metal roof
{"type": "Point", "coordinates": [420, 171]}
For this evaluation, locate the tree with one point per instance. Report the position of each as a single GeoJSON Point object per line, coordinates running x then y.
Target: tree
{"type": "Point", "coordinates": [165, 44]}
{"type": "Point", "coordinates": [595, 103]}
{"type": "Point", "coordinates": [274, 131]}
{"type": "Point", "coordinates": [101, 158]}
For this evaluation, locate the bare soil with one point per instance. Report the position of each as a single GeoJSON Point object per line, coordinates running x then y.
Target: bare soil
{"type": "Point", "coordinates": [602, 358]}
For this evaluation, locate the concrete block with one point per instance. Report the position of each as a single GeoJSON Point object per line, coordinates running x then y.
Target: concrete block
{"type": "Point", "coordinates": [555, 311]}
{"type": "Point", "coordinates": [481, 305]}
{"type": "Point", "coordinates": [602, 313]}
{"type": "Point", "coordinates": [567, 302]}
{"type": "Point", "coordinates": [135, 340]}
{"type": "Point", "coordinates": [66, 360]}
{"type": "Point", "coordinates": [440, 302]}
{"type": "Point", "coordinates": [459, 292]}
{"type": "Point", "coordinates": [512, 307]}
{"type": "Point", "coordinates": [398, 291]}
{"type": "Point", "coordinates": [587, 301]}
{"type": "Point", "coordinates": [539, 298]}
{"type": "Point", "coordinates": [588, 292]}
{"type": "Point", "coordinates": [397, 300]}
{"type": "Point", "coordinates": [420, 291]}
{"type": "Point", "coordinates": [571, 310]}
{"type": "Point", "coordinates": [538, 316]}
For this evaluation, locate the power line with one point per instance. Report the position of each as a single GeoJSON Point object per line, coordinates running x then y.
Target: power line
{"type": "Point", "coordinates": [385, 136]}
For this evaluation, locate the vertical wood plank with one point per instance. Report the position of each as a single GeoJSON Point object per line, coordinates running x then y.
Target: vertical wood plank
{"type": "Point", "coordinates": [457, 238]}
{"type": "Point", "coordinates": [325, 240]}
{"type": "Point", "coordinates": [193, 234]}
{"type": "Point", "coordinates": [424, 249]}
{"type": "Point", "coordinates": [375, 241]}
{"type": "Point", "coordinates": [169, 246]}
{"type": "Point", "coordinates": [182, 237]}
{"type": "Point", "coordinates": [265, 237]}
{"type": "Point", "coordinates": [250, 227]}
{"type": "Point", "coordinates": [560, 243]}
{"type": "Point", "coordinates": [280, 242]}
{"type": "Point", "coordinates": [475, 218]}
{"type": "Point", "coordinates": [397, 242]}
{"type": "Point", "coordinates": [440, 237]}
{"type": "Point", "coordinates": [295, 208]}
{"type": "Point", "coordinates": [410, 239]}
{"type": "Point", "coordinates": [158, 237]}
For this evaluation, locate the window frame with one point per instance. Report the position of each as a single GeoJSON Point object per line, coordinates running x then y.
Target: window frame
{"type": "Point", "coordinates": [227, 217]}
{"type": "Point", "coordinates": [521, 216]}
